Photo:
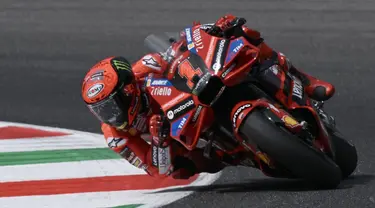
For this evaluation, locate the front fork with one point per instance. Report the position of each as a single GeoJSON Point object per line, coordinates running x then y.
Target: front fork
{"type": "Point", "coordinates": [329, 121]}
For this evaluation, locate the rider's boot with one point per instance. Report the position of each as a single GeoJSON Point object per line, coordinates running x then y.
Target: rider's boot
{"type": "Point", "coordinates": [316, 89]}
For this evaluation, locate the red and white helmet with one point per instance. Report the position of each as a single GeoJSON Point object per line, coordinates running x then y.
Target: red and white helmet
{"type": "Point", "coordinates": [111, 93]}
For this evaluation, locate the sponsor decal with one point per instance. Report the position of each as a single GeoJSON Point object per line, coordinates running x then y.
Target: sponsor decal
{"type": "Point", "coordinates": [189, 40]}
{"type": "Point", "coordinates": [97, 76]}
{"type": "Point", "coordinates": [137, 162]}
{"type": "Point", "coordinates": [174, 100]}
{"type": "Point", "coordinates": [188, 34]}
{"type": "Point", "coordinates": [150, 61]}
{"type": "Point", "coordinates": [238, 112]}
{"type": "Point", "coordinates": [198, 39]}
{"type": "Point", "coordinates": [190, 46]}
{"type": "Point", "coordinates": [178, 125]}
{"type": "Point", "coordinates": [201, 83]}
{"type": "Point", "coordinates": [116, 142]}
{"type": "Point", "coordinates": [237, 48]}
{"type": "Point", "coordinates": [197, 113]}
{"type": "Point", "coordinates": [160, 82]}
{"type": "Point", "coordinates": [148, 80]}
{"type": "Point", "coordinates": [139, 123]}
{"type": "Point", "coordinates": [95, 90]}
{"type": "Point", "coordinates": [223, 75]}
{"type": "Point", "coordinates": [181, 108]}
{"type": "Point", "coordinates": [155, 155]}
{"type": "Point", "coordinates": [297, 88]}
{"type": "Point", "coordinates": [127, 154]}
{"type": "Point", "coordinates": [170, 114]}
{"type": "Point", "coordinates": [182, 123]}
{"type": "Point", "coordinates": [210, 51]}
{"type": "Point", "coordinates": [234, 48]}
{"type": "Point", "coordinates": [219, 55]}
{"type": "Point", "coordinates": [289, 121]}
{"type": "Point", "coordinates": [161, 91]}
{"type": "Point", "coordinates": [121, 64]}
{"type": "Point", "coordinates": [164, 161]}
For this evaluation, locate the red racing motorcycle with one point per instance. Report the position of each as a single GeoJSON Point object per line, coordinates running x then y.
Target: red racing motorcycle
{"type": "Point", "coordinates": [212, 102]}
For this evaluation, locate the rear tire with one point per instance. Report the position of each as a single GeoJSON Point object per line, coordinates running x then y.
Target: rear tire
{"type": "Point", "coordinates": [346, 154]}
{"type": "Point", "coordinates": [290, 151]}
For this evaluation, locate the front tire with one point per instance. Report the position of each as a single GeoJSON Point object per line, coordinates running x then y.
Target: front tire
{"type": "Point", "coordinates": [290, 151]}
{"type": "Point", "coordinates": [346, 154]}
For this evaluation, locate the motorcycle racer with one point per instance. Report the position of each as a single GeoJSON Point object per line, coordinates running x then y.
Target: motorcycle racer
{"type": "Point", "coordinates": [112, 90]}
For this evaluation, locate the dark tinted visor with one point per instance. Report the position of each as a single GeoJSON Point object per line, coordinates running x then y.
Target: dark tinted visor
{"type": "Point", "coordinates": [113, 110]}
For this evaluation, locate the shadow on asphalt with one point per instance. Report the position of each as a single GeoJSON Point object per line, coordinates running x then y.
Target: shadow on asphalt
{"type": "Point", "coordinates": [267, 184]}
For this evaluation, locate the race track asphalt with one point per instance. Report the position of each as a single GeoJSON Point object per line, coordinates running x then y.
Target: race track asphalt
{"type": "Point", "coordinates": [47, 46]}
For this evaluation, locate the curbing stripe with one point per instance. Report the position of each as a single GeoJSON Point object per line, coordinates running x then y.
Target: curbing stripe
{"type": "Point", "coordinates": [93, 184]}
{"type": "Point", "coordinates": [16, 132]}
{"type": "Point", "coordinates": [65, 170]}
{"type": "Point", "coordinates": [108, 199]}
{"type": "Point", "coordinates": [53, 156]}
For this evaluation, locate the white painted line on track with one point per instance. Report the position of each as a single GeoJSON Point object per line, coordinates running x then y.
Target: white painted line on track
{"type": "Point", "coordinates": [75, 141]}
{"type": "Point", "coordinates": [66, 170]}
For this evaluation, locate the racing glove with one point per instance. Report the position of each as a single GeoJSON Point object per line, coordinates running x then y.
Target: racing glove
{"type": "Point", "coordinates": [225, 22]}
{"type": "Point", "coordinates": [227, 26]}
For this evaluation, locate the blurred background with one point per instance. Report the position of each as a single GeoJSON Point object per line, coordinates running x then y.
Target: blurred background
{"type": "Point", "coordinates": [47, 46]}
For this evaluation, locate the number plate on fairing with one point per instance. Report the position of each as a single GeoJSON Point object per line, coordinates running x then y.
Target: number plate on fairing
{"type": "Point", "coordinates": [187, 72]}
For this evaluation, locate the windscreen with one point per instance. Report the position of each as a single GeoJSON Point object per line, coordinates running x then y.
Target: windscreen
{"type": "Point", "coordinates": [161, 43]}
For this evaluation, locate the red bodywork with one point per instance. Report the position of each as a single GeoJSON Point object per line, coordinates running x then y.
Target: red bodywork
{"type": "Point", "coordinates": [231, 61]}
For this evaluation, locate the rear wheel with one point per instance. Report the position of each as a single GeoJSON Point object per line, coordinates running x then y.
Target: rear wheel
{"type": "Point", "coordinates": [290, 151]}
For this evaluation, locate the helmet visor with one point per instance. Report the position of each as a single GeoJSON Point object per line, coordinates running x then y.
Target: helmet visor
{"type": "Point", "coordinates": [113, 110]}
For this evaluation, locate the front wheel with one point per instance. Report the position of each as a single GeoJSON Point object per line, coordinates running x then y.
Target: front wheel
{"type": "Point", "coordinates": [290, 151]}
{"type": "Point", "coordinates": [346, 154]}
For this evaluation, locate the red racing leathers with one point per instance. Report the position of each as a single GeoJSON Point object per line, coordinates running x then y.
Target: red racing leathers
{"type": "Point", "coordinates": [131, 143]}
